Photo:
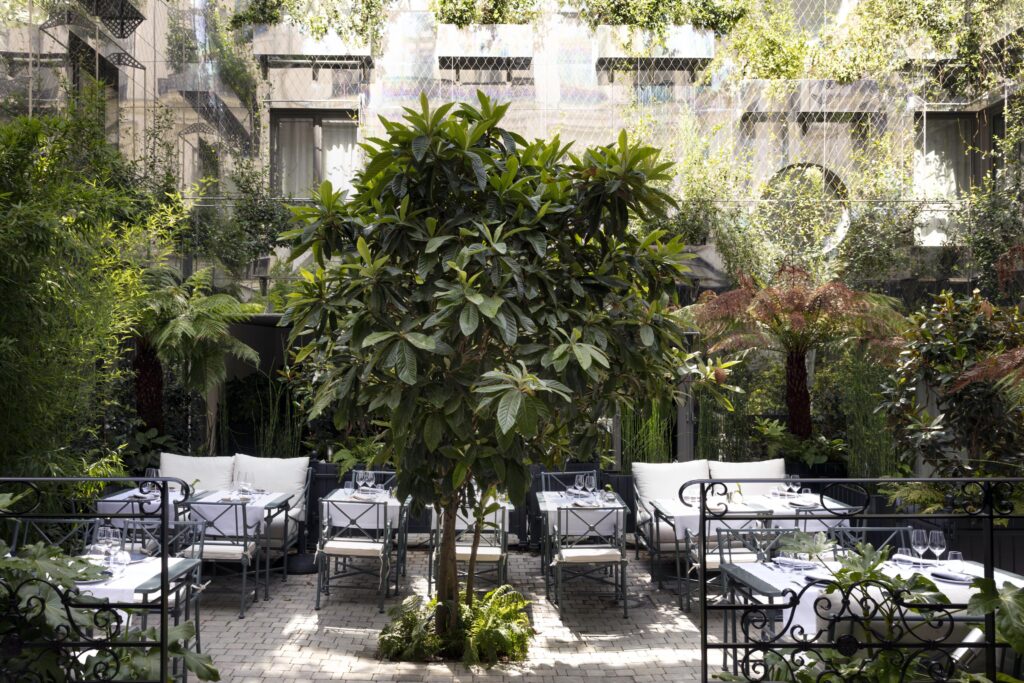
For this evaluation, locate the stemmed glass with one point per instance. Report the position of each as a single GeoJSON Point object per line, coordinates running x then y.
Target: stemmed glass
{"type": "Point", "coordinates": [919, 542]}
{"type": "Point", "coordinates": [793, 485]}
{"type": "Point", "coordinates": [108, 542]}
{"type": "Point", "coordinates": [590, 482]}
{"type": "Point", "coordinates": [937, 543]}
{"type": "Point", "coordinates": [580, 483]}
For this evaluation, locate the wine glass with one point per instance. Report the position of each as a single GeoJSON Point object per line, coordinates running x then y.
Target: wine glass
{"type": "Point", "coordinates": [937, 543]}
{"type": "Point", "coordinates": [919, 542]}
{"type": "Point", "coordinates": [955, 561]}
{"type": "Point", "coordinates": [793, 485]}
{"type": "Point", "coordinates": [590, 482]}
{"type": "Point", "coordinates": [119, 562]}
{"type": "Point", "coordinates": [371, 480]}
{"type": "Point", "coordinates": [580, 483]}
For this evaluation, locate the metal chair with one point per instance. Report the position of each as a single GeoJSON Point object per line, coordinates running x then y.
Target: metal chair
{"type": "Point", "coordinates": [879, 536]}
{"type": "Point", "coordinates": [589, 537]}
{"type": "Point", "coordinates": [232, 537]}
{"type": "Point", "coordinates": [492, 551]}
{"type": "Point", "coordinates": [70, 534]}
{"type": "Point", "coordinates": [353, 530]}
{"type": "Point", "coordinates": [388, 480]}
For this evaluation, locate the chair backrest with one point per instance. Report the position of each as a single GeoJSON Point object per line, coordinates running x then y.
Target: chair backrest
{"type": "Point", "coordinates": [354, 519]}
{"type": "Point", "coordinates": [562, 481]}
{"type": "Point", "coordinates": [229, 521]}
{"type": "Point", "coordinates": [492, 532]}
{"type": "Point", "coordinates": [878, 536]}
{"type": "Point", "coordinates": [590, 526]}
{"type": "Point", "coordinates": [185, 538]}
{"type": "Point", "coordinates": [764, 543]}
{"type": "Point", "coordinates": [70, 534]}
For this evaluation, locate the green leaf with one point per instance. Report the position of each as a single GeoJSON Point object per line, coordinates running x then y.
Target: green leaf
{"type": "Point", "coordinates": [469, 319]}
{"type": "Point", "coordinates": [433, 430]}
{"type": "Point", "coordinates": [421, 341]}
{"type": "Point", "coordinates": [419, 147]}
{"type": "Point", "coordinates": [490, 305]}
{"type": "Point", "coordinates": [1008, 605]}
{"type": "Point", "coordinates": [406, 364]}
{"type": "Point", "coordinates": [434, 243]}
{"type": "Point", "coordinates": [582, 354]}
{"type": "Point", "coordinates": [459, 473]}
{"type": "Point", "coordinates": [364, 250]}
{"type": "Point", "coordinates": [647, 335]}
{"type": "Point", "coordinates": [376, 338]}
{"type": "Point", "coordinates": [508, 410]}
{"type": "Point", "coordinates": [507, 324]}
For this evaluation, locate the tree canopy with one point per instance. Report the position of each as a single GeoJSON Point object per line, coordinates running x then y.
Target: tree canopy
{"type": "Point", "coordinates": [482, 297]}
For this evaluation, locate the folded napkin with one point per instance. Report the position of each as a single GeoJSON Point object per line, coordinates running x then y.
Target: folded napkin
{"type": "Point", "coordinates": [586, 503]}
{"type": "Point", "coordinates": [236, 499]}
{"type": "Point", "coordinates": [952, 577]}
{"type": "Point", "coordinates": [796, 564]}
{"type": "Point", "coordinates": [907, 558]}
{"type": "Point", "coordinates": [804, 503]}
{"type": "Point", "coordinates": [365, 496]}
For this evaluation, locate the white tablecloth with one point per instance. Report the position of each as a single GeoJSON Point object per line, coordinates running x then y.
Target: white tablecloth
{"type": "Point", "coordinates": [346, 506]}
{"type": "Point", "coordinates": [548, 503]}
{"type": "Point", "coordinates": [122, 588]}
{"type": "Point", "coordinates": [131, 501]}
{"type": "Point", "coordinates": [222, 519]}
{"type": "Point", "coordinates": [806, 615]}
{"type": "Point", "coordinates": [688, 516]}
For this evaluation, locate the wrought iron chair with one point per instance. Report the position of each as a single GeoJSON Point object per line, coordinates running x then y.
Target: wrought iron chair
{"type": "Point", "coordinates": [231, 536]}
{"type": "Point", "coordinates": [879, 536]}
{"type": "Point", "coordinates": [71, 534]}
{"type": "Point", "coordinates": [388, 479]}
{"type": "Point", "coordinates": [353, 530]}
{"type": "Point", "coordinates": [492, 551]}
{"type": "Point", "coordinates": [588, 537]}
{"type": "Point", "coordinates": [556, 482]}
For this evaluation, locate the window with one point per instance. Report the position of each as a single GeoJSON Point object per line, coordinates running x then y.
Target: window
{"type": "Point", "coordinates": [309, 147]}
{"type": "Point", "coordinates": [943, 157]}
{"type": "Point", "coordinates": [487, 70]}
{"type": "Point", "coordinates": [651, 80]}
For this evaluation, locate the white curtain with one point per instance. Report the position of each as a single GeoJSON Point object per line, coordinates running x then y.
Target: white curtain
{"type": "Point", "coordinates": [340, 157]}
{"type": "Point", "coordinates": [295, 156]}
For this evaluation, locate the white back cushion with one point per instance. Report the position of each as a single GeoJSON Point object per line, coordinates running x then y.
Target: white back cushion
{"type": "Point", "coordinates": [662, 480]}
{"type": "Point", "coordinates": [286, 475]}
{"type": "Point", "coordinates": [211, 472]}
{"type": "Point", "coordinates": [762, 469]}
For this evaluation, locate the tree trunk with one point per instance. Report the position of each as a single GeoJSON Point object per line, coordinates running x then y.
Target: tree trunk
{"type": "Point", "coordinates": [446, 618]}
{"type": "Point", "coordinates": [149, 385]}
{"type": "Point", "coordinates": [478, 522]}
{"type": "Point", "coordinates": [798, 396]}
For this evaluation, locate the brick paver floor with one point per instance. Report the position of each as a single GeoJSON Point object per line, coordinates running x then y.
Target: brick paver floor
{"type": "Point", "coordinates": [285, 639]}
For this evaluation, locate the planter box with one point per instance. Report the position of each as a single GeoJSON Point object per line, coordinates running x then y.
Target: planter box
{"type": "Point", "coordinates": [485, 40]}
{"type": "Point", "coordinates": [681, 42]}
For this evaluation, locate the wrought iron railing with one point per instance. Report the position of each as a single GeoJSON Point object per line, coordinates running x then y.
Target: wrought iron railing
{"type": "Point", "coordinates": [85, 638]}
{"type": "Point", "coordinates": [854, 617]}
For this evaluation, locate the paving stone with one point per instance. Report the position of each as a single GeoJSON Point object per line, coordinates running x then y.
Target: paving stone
{"type": "Point", "coordinates": [285, 639]}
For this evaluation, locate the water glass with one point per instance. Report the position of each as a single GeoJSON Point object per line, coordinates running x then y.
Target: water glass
{"type": "Point", "coordinates": [348, 487]}
{"type": "Point", "coordinates": [919, 542]}
{"type": "Point", "coordinates": [244, 483]}
{"type": "Point", "coordinates": [906, 553]}
{"type": "Point", "coordinates": [119, 561]}
{"type": "Point", "coordinates": [937, 543]}
{"type": "Point", "coordinates": [955, 561]}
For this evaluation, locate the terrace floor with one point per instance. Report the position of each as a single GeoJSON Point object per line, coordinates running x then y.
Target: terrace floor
{"type": "Point", "coordinates": [285, 639]}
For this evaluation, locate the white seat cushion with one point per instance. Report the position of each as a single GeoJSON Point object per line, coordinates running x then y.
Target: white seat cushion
{"type": "Point", "coordinates": [287, 475]}
{"type": "Point", "coordinates": [353, 548]}
{"type": "Point", "coordinates": [585, 555]}
{"type": "Point", "coordinates": [210, 473]}
{"type": "Point", "coordinates": [215, 550]}
{"type": "Point", "coordinates": [761, 469]}
{"type": "Point", "coordinates": [485, 553]}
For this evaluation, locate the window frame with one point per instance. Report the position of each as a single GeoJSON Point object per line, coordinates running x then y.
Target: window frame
{"type": "Point", "coordinates": [318, 117]}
